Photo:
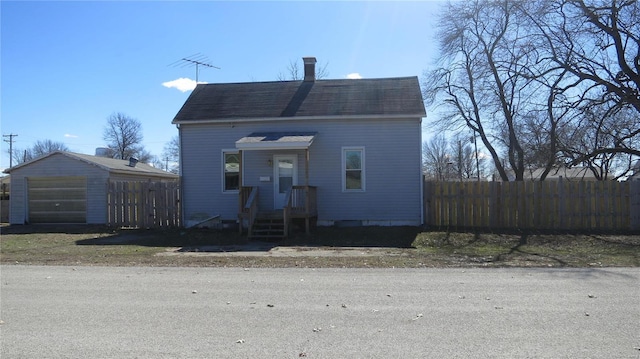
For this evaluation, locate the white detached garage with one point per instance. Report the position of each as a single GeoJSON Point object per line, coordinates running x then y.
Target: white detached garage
{"type": "Point", "coordinates": [66, 187]}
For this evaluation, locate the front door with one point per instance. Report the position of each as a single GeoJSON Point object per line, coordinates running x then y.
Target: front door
{"type": "Point", "coordinates": [285, 175]}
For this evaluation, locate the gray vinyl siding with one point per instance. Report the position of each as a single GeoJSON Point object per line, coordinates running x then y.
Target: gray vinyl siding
{"type": "Point", "coordinates": [200, 168]}
{"type": "Point", "coordinates": [59, 165]}
{"type": "Point", "coordinates": [392, 168]}
{"type": "Point", "coordinates": [17, 207]}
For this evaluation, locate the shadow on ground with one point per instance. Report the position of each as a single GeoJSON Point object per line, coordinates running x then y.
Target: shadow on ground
{"type": "Point", "coordinates": [210, 240]}
{"type": "Point", "coordinates": [520, 249]}
{"type": "Point", "coordinates": [56, 228]}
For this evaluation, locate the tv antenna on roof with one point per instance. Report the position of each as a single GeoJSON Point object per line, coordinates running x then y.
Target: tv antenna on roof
{"type": "Point", "coordinates": [195, 59]}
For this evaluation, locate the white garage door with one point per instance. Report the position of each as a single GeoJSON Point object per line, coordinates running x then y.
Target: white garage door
{"type": "Point", "coordinates": [57, 199]}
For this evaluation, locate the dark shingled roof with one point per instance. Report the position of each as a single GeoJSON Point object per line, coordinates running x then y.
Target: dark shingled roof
{"type": "Point", "coordinates": [322, 98]}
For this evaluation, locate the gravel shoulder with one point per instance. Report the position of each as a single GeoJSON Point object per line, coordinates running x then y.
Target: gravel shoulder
{"type": "Point", "coordinates": [266, 249]}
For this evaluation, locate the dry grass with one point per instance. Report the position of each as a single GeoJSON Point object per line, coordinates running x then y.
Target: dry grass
{"type": "Point", "coordinates": [408, 247]}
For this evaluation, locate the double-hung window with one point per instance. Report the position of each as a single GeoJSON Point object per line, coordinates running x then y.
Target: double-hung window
{"type": "Point", "coordinates": [353, 176]}
{"type": "Point", "coordinates": [231, 171]}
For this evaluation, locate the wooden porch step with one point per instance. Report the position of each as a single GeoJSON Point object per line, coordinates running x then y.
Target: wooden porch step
{"type": "Point", "coordinates": [268, 225]}
{"type": "Point", "coordinates": [270, 215]}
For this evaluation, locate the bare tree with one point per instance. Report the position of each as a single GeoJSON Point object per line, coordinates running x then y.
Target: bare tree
{"type": "Point", "coordinates": [123, 135]}
{"type": "Point", "coordinates": [294, 73]}
{"type": "Point", "coordinates": [597, 44]}
{"type": "Point", "coordinates": [542, 83]}
{"type": "Point", "coordinates": [40, 148]}
{"type": "Point", "coordinates": [464, 164]}
{"type": "Point", "coordinates": [436, 161]}
{"type": "Point", "coordinates": [596, 131]}
{"type": "Point", "coordinates": [171, 155]}
{"type": "Point", "coordinates": [483, 50]}
{"type": "Point", "coordinates": [143, 155]}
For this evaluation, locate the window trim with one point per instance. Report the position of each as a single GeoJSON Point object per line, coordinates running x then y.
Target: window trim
{"type": "Point", "coordinates": [343, 171]}
{"type": "Point", "coordinates": [223, 166]}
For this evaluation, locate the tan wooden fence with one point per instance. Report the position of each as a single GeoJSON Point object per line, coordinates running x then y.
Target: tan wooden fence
{"type": "Point", "coordinates": [544, 205]}
{"type": "Point", "coordinates": [4, 210]}
{"type": "Point", "coordinates": [143, 204]}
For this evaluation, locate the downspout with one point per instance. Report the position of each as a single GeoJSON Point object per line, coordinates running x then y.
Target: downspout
{"type": "Point", "coordinates": [306, 167]}
{"type": "Point", "coordinates": [241, 168]}
{"type": "Point", "coordinates": [240, 185]}
{"type": "Point", "coordinates": [422, 219]}
{"type": "Point", "coordinates": [182, 201]}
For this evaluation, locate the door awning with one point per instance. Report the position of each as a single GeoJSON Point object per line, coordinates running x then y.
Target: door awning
{"type": "Point", "coordinates": [276, 141]}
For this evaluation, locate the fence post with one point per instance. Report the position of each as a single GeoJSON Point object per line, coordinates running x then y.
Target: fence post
{"type": "Point", "coordinates": [147, 193]}
{"type": "Point", "coordinates": [460, 198]}
{"type": "Point", "coordinates": [109, 217]}
{"type": "Point", "coordinates": [426, 201]}
{"type": "Point", "coordinates": [634, 205]}
{"type": "Point", "coordinates": [494, 210]}
{"type": "Point", "coordinates": [119, 203]}
{"type": "Point", "coordinates": [561, 212]}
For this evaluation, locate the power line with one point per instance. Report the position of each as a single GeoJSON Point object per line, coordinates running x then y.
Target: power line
{"type": "Point", "coordinates": [10, 141]}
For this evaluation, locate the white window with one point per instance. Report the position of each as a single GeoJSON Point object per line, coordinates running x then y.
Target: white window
{"type": "Point", "coordinates": [353, 175]}
{"type": "Point", "coordinates": [230, 171]}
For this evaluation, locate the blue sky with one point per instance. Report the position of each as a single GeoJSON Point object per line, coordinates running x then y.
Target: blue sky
{"type": "Point", "coordinates": [67, 66]}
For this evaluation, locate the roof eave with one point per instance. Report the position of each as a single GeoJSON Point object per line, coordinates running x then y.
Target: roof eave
{"type": "Point", "coordinates": [147, 174]}
{"type": "Point", "coordinates": [91, 163]}
{"type": "Point", "coordinates": [273, 147]}
{"type": "Point", "coordinates": [38, 159]}
{"type": "Point", "coordinates": [301, 118]}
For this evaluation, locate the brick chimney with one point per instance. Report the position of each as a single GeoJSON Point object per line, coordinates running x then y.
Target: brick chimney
{"type": "Point", "coordinates": [309, 68]}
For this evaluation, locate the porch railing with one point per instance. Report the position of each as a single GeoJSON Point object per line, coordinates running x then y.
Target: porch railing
{"type": "Point", "coordinates": [286, 212]}
{"type": "Point", "coordinates": [301, 202]}
{"type": "Point", "coordinates": [248, 207]}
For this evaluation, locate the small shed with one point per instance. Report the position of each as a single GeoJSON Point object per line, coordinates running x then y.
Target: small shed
{"type": "Point", "coordinates": [66, 187]}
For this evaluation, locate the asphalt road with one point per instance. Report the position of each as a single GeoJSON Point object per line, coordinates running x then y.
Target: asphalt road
{"type": "Point", "coordinates": [133, 312]}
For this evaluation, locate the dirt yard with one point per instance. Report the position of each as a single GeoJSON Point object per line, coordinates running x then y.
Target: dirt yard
{"type": "Point", "coordinates": [325, 247]}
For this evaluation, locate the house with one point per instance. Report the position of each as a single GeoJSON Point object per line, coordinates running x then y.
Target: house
{"type": "Point", "coordinates": [332, 151]}
{"type": "Point", "coordinates": [576, 173]}
{"type": "Point", "coordinates": [66, 187]}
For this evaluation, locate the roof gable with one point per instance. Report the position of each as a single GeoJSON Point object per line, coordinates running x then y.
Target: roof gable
{"type": "Point", "coordinates": [390, 97]}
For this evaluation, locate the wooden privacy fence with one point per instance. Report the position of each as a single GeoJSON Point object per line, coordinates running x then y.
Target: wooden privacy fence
{"type": "Point", "coordinates": [143, 204]}
{"type": "Point", "coordinates": [4, 210]}
{"type": "Point", "coordinates": [546, 205]}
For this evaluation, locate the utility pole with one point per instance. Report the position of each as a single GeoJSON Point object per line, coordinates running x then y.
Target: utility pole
{"type": "Point", "coordinates": [10, 141]}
